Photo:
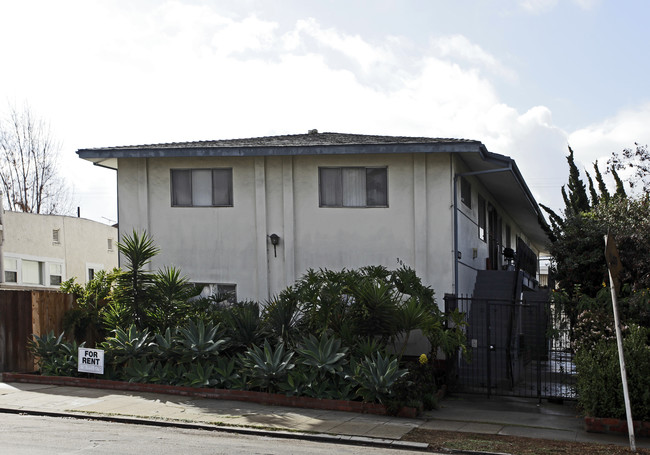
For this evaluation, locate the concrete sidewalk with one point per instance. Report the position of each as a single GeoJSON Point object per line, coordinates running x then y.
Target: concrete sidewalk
{"type": "Point", "coordinates": [473, 414]}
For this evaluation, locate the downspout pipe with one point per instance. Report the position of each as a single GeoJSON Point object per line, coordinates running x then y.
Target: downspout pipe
{"type": "Point", "coordinates": [456, 176]}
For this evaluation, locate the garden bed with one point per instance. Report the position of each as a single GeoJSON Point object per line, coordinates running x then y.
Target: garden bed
{"type": "Point", "coordinates": [271, 399]}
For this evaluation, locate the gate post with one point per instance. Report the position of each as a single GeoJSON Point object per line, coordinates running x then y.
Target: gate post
{"type": "Point", "coordinates": [488, 346]}
{"type": "Point", "coordinates": [539, 336]}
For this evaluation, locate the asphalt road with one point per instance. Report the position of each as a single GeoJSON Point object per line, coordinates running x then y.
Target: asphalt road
{"type": "Point", "coordinates": [36, 435]}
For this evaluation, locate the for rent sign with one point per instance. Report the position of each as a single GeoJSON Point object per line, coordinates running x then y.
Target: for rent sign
{"type": "Point", "coordinates": [91, 361]}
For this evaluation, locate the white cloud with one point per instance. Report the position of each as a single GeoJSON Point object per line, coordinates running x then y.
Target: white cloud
{"type": "Point", "coordinates": [182, 72]}
{"type": "Point", "coordinates": [458, 47]}
{"type": "Point", "coordinates": [537, 6]}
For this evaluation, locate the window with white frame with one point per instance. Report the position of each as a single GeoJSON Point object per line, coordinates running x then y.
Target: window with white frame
{"type": "Point", "coordinates": [92, 269]}
{"type": "Point", "coordinates": [201, 187]}
{"type": "Point", "coordinates": [353, 186]}
{"type": "Point", "coordinates": [56, 274]}
{"type": "Point", "coordinates": [11, 270]}
{"type": "Point", "coordinates": [32, 272]}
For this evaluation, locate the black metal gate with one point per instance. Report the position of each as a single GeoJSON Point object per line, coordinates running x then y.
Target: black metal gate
{"type": "Point", "coordinates": [518, 348]}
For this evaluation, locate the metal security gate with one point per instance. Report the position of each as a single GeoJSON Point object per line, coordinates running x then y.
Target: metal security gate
{"type": "Point", "coordinates": [516, 348]}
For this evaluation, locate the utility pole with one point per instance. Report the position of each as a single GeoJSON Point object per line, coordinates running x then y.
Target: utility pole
{"type": "Point", "coordinates": [614, 267]}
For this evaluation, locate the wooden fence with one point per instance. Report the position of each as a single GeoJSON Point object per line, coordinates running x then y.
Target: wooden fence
{"type": "Point", "coordinates": [23, 313]}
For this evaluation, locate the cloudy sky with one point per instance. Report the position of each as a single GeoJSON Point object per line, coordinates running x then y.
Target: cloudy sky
{"type": "Point", "coordinates": [525, 77]}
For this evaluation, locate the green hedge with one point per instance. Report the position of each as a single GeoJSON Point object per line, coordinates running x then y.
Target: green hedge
{"type": "Point", "coordinates": [600, 391]}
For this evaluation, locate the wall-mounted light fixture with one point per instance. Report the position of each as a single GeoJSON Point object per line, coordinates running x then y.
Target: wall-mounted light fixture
{"type": "Point", "coordinates": [275, 240]}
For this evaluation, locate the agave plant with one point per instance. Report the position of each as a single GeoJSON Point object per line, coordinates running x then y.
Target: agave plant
{"type": "Point", "coordinates": [267, 367]}
{"type": "Point", "coordinates": [376, 375]}
{"type": "Point", "coordinates": [167, 345]}
{"type": "Point", "coordinates": [201, 341]}
{"type": "Point", "coordinates": [199, 374]}
{"type": "Point", "coordinates": [139, 370]}
{"type": "Point", "coordinates": [325, 355]}
{"type": "Point", "coordinates": [227, 374]}
{"type": "Point", "coordinates": [130, 344]}
{"type": "Point", "coordinates": [55, 356]}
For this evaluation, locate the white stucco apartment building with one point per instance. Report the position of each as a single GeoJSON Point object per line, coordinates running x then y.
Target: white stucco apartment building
{"type": "Point", "coordinates": [45, 250]}
{"type": "Point", "coordinates": [445, 207]}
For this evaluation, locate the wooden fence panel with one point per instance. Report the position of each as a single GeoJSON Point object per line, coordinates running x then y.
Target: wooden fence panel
{"type": "Point", "coordinates": [23, 313]}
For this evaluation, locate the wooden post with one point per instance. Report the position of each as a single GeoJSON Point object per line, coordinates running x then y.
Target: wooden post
{"type": "Point", "coordinates": [614, 267]}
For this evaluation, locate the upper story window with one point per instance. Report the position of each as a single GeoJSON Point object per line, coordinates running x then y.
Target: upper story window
{"type": "Point", "coordinates": [201, 187]}
{"type": "Point", "coordinates": [465, 192]}
{"type": "Point", "coordinates": [353, 186]}
{"type": "Point", "coordinates": [55, 236]}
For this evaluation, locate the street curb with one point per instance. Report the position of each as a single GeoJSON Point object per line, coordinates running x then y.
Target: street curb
{"type": "Point", "coordinates": [281, 434]}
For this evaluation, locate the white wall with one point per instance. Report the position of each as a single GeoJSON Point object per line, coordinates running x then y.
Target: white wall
{"type": "Point", "coordinates": [280, 195]}
{"type": "Point", "coordinates": [82, 242]}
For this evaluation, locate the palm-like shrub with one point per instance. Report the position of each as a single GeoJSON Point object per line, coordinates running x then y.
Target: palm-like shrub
{"type": "Point", "coordinates": [243, 325]}
{"type": "Point", "coordinates": [169, 294]}
{"type": "Point", "coordinates": [131, 295]}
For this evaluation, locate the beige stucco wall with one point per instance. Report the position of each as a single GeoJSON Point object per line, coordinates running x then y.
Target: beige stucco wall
{"type": "Point", "coordinates": [82, 243]}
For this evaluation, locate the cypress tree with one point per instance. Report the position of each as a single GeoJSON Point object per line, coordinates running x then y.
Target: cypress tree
{"type": "Point", "coordinates": [620, 188]}
{"type": "Point", "coordinates": [592, 191]}
{"type": "Point", "coordinates": [604, 194]}
{"type": "Point", "coordinates": [577, 194]}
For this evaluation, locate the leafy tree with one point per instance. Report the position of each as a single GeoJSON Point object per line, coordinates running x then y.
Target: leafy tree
{"type": "Point", "coordinates": [638, 161]}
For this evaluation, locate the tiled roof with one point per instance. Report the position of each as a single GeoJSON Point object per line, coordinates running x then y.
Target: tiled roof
{"type": "Point", "coordinates": [311, 139]}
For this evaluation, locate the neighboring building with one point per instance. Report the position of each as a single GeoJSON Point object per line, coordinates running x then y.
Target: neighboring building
{"type": "Point", "coordinates": [255, 214]}
{"type": "Point", "coordinates": [45, 250]}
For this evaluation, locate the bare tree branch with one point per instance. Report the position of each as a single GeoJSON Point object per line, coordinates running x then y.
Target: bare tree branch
{"type": "Point", "coordinates": [29, 157]}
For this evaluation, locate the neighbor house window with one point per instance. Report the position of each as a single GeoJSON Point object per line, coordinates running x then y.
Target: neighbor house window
{"type": "Point", "coordinates": [201, 187]}
{"type": "Point", "coordinates": [32, 272]}
{"type": "Point", "coordinates": [11, 270]}
{"type": "Point", "coordinates": [353, 186]}
{"type": "Point", "coordinates": [110, 244]}
{"type": "Point", "coordinates": [91, 273]}
{"type": "Point", "coordinates": [55, 236]}
{"type": "Point", "coordinates": [481, 218]}
{"type": "Point", "coordinates": [465, 192]}
{"type": "Point", "coordinates": [56, 274]}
